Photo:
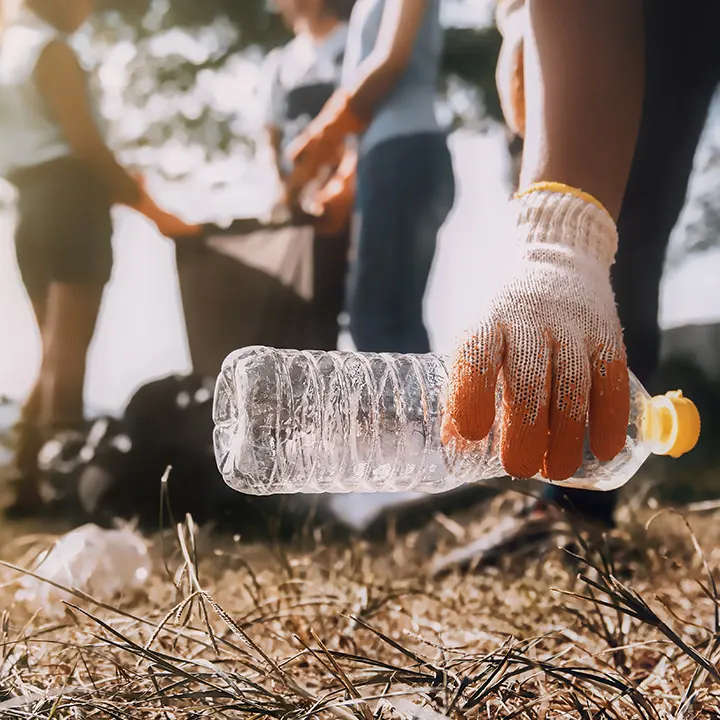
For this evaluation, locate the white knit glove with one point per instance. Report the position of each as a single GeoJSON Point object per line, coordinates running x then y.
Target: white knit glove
{"type": "Point", "coordinates": [553, 330]}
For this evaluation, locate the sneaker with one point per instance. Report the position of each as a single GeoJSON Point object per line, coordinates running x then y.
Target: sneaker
{"type": "Point", "coordinates": [39, 462]}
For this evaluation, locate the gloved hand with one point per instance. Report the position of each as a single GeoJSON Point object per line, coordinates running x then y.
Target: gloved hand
{"type": "Point", "coordinates": [321, 141]}
{"type": "Point", "coordinates": [331, 207]}
{"type": "Point", "coordinates": [167, 224]}
{"type": "Point", "coordinates": [511, 20]}
{"type": "Point", "coordinates": [553, 330]}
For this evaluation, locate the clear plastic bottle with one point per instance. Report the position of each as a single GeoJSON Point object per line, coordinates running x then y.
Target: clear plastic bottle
{"type": "Point", "coordinates": [289, 421]}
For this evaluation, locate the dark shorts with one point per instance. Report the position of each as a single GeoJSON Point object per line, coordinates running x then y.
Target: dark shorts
{"type": "Point", "coordinates": [64, 227]}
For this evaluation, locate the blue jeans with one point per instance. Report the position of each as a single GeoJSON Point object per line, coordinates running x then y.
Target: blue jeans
{"type": "Point", "coordinates": [405, 190]}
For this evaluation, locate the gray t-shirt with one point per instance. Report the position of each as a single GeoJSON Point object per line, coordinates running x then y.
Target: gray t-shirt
{"type": "Point", "coordinates": [299, 78]}
{"type": "Point", "coordinates": [410, 107]}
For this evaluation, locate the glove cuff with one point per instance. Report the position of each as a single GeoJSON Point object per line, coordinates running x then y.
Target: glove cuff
{"type": "Point", "coordinates": [555, 214]}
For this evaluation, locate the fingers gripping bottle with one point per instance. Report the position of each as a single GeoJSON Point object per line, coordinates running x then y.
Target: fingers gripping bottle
{"type": "Point", "coordinates": [289, 421]}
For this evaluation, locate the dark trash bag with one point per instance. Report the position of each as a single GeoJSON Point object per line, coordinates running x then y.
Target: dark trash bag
{"type": "Point", "coordinates": [251, 284]}
{"type": "Point", "coordinates": [168, 422]}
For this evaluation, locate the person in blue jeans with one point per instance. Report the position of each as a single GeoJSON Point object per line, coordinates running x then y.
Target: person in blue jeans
{"type": "Point", "coordinates": [668, 134]}
{"type": "Point", "coordinates": [610, 116]}
{"type": "Point", "coordinates": [385, 112]}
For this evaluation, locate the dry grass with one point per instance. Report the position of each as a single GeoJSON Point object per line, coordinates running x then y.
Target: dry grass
{"type": "Point", "coordinates": [228, 630]}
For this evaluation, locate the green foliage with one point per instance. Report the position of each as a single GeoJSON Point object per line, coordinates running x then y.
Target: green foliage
{"type": "Point", "coordinates": [248, 27]}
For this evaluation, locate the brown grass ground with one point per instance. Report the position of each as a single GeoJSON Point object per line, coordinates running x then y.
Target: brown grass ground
{"type": "Point", "coordinates": [229, 630]}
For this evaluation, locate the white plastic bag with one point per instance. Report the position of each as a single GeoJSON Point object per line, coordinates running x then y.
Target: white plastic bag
{"type": "Point", "coordinates": [105, 564]}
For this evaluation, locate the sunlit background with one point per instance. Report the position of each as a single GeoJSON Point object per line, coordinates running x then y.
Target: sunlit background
{"type": "Point", "coordinates": [208, 168]}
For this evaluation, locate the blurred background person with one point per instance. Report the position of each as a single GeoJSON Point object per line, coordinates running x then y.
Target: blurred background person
{"type": "Point", "coordinates": [299, 78]}
{"type": "Point", "coordinates": [52, 149]}
{"type": "Point", "coordinates": [405, 181]}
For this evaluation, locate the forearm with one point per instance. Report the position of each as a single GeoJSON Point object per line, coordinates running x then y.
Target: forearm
{"type": "Point", "coordinates": [584, 84]}
{"type": "Point", "coordinates": [376, 78]}
{"type": "Point", "coordinates": [381, 70]}
{"type": "Point", "coordinates": [120, 185]}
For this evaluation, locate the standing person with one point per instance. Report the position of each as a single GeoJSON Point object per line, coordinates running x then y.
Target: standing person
{"type": "Point", "coordinates": [52, 149]}
{"type": "Point", "coordinates": [301, 77]}
{"type": "Point", "coordinates": [405, 182]}
{"type": "Point", "coordinates": [611, 120]}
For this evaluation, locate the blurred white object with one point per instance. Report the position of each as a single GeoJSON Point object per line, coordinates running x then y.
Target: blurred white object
{"type": "Point", "coordinates": [104, 564]}
{"type": "Point", "coordinates": [278, 214]}
{"type": "Point", "coordinates": [408, 710]}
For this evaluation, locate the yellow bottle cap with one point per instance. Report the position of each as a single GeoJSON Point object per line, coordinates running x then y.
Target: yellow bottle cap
{"type": "Point", "coordinates": [672, 424]}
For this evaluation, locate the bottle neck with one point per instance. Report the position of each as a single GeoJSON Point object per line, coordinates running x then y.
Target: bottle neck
{"type": "Point", "coordinates": [659, 426]}
{"type": "Point", "coordinates": [671, 424]}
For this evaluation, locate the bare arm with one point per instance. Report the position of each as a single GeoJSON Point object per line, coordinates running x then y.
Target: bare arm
{"type": "Point", "coordinates": [350, 109]}
{"type": "Point", "coordinates": [62, 83]}
{"type": "Point", "coordinates": [584, 76]}
{"type": "Point", "coordinates": [381, 69]}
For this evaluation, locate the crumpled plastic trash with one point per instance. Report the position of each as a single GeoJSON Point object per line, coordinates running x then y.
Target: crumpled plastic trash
{"type": "Point", "coordinates": [104, 564]}
{"type": "Point", "coordinates": [408, 710]}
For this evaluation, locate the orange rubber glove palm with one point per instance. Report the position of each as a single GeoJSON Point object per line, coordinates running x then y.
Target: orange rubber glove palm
{"type": "Point", "coordinates": [553, 331]}
{"type": "Point", "coordinates": [319, 144]}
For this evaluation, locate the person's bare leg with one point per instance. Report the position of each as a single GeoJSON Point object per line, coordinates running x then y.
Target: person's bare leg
{"type": "Point", "coordinates": [31, 407]}
{"type": "Point", "coordinates": [72, 312]}
{"type": "Point", "coordinates": [29, 437]}
{"type": "Point", "coordinates": [584, 69]}
{"type": "Point", "coordinates": [68, 318]}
